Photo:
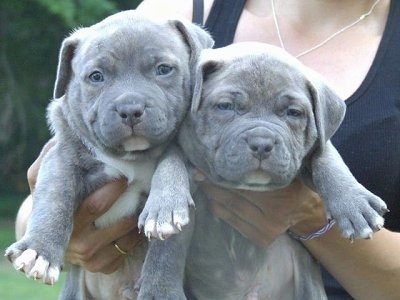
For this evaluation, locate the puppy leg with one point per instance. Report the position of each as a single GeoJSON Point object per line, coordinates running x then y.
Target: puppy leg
{"type": "Point", "coordinates": [357, 211]}
{"type": "Point", "coordinates": [40, 252]}
{"type": "Point", "coordinates": [163, 270]}
{"type": "Point", "coordinates": [168, 206]}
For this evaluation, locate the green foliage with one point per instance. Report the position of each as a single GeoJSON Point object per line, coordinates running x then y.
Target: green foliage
{"type": "Point", "coordinates": [84, 12]}
{"type": "Point", "coordinates": [31, 33]}
{"type": "Point", "coordinates": [9, 204]}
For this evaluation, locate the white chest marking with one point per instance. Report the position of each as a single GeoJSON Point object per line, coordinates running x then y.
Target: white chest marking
{"type": "Point", "coordinates": [139, 175]}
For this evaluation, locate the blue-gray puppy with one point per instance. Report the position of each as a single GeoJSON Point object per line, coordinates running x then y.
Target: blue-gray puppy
{"type": "Point", "coordinates": [259, 120]}
{"type": "Point", "coordinates": [123, 88]}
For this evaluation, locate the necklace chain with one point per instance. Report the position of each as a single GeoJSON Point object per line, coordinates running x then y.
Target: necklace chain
{"type": "Point", "coordinates": [361, 18]}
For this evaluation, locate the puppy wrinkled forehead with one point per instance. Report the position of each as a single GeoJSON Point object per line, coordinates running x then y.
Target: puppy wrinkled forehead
{"type": "Point", "coordinates": [130, 40]}
{"type": "Point", "coordinates": [249, 49]}
{"type": "Point", "coordinates": [262, 73]}
{"type": "Point", "coordinates": [261, 62]}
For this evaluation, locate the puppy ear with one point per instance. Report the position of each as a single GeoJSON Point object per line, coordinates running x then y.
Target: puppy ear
{"type": "Point", "coordinates": [329, 109]}
{"type": "Point", "coordinates": [203, 70]}
{"type": "Point", "coordinates": [196, 38]}
{"type": "Point", "coordinates": [64, 68]}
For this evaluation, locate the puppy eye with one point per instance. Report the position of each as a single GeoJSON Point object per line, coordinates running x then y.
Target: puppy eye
{"type": "Point", "coordinates": [294, 112]}
{"type": "Point", "coordinates": [226, 106]}
{"type": "Point", "coordinates": [96, 76]}
{"type": "Point", "coordinates": [163, 69]}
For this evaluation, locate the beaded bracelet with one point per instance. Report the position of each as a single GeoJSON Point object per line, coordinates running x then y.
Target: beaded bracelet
{"type": "Point", "coordinates": [315, 234]}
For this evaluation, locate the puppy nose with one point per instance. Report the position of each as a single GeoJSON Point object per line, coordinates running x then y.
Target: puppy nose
{"type": "Point", "coordinates": [131, 113]}
{"type": "Point", "coordinates": [261, 147]}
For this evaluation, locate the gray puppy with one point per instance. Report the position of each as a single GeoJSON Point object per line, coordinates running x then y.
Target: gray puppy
{"type": "Point", "coordinates": [123, 87]}
{"type": "Point", "coordinates": [260, 119]}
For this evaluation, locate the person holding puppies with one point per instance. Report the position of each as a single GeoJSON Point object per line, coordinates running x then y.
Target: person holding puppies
{"type": "Point", "coordinates": [354, 45]}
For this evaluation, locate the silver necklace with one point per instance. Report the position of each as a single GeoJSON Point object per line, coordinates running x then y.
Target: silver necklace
{"type": "Point", "coordinates": [362, 17]}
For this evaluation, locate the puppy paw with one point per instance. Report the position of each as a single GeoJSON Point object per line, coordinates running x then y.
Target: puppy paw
{"type": "Point", "coordinates": [358, 213]}
{"type": "Point", "coordinates": [30, 262]}
{"type": "Point", "coordinates": [164, 215]}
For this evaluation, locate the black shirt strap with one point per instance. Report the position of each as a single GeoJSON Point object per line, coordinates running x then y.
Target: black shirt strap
{"type": "Point", "coordinates": [198, 12]}
{"type": "Point", "coordinates": [223, 19]}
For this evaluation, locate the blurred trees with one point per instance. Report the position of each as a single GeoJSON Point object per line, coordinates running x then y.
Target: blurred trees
{"type": "Point", "coordinates": [31, 32]}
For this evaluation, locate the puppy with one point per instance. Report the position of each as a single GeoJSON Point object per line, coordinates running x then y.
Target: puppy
{"type": "Point", "coordinates": [123, 88]}
{"type": "Point", "coordinates": [259, 120]}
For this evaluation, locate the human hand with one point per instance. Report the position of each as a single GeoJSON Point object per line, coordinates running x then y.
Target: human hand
{"type": "Point", "coordinates": [93, 248]}
{"type": "Point", "coordinates": [263, 216]}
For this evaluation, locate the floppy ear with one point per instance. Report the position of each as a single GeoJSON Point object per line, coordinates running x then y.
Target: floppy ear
{"type": "Point", "coordinates": [329, 110]}
{"type": "Point", "coordinates": [196, 38]}
{"type": "Point", "coordinates": [203, 69]}
{"type": "Point", "coordinates": [64, 68]}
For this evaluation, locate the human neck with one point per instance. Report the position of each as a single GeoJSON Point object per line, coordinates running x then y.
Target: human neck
{"type": "Point", "coordinates": [330, 37]}
{"type": "Point", "coordinates": [312, 11]}
{"type": "Point", "coordinates": [306, 23]}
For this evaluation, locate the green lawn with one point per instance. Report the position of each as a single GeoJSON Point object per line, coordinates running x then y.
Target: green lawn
{"type": "Point", "coordinates": [14, 285]}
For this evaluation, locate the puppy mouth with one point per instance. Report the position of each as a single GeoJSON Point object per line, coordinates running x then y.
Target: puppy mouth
{"type": "Point", "coordinates": [257, 178]}
{"type": "Point", "coordinates": [135, 144]}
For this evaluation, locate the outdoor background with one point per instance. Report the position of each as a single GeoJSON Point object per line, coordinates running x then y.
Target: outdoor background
{"type": "Point", "coordinates": [31, 32]}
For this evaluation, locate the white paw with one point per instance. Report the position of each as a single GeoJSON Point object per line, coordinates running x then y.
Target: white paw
{"type": "Point", "coordinates": [160, 231]}
{"type": "Point", "coordinates": [25, 261]}
{"type": "Point", "coordinates": [360, 225]}
{"type": "Point", "coordinates": [36, 267]}
{"type": "Point", "coordinates": [163, 228]}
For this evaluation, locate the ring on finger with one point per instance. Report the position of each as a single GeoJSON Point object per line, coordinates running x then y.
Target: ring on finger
{"type": "Point", "coordinates": [119, 249]}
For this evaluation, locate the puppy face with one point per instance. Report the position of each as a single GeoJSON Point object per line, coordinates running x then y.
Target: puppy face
{"type": "Point", "coordinates": [132, 95]}
{"type": "Point", "coordinates": [125, 82]}
{"type": "Point", "coordinates": [256, 117]}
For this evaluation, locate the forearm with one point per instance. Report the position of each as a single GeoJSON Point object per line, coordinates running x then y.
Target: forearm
{"type": "Point", "coordinates": [22, 217]}
{"type": "Point", "coordinates": [367, 269]}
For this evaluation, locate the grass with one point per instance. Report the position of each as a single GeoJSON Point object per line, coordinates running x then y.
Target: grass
{"type": "Point", "coordinates": [14, 285]}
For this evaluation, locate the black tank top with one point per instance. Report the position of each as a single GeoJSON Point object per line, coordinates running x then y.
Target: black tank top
{"type": "Point", "coordinates": [369, 137]}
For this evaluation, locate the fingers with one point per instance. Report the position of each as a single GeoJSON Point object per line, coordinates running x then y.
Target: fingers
{"type": "Point", "coordinates": [130, 241]}
{"type": "Point", "coordinates": [98, 203]}
{"type": "Point", "coordinates": [34, 168]}
{"type": "Point", "coordinates": [108, 259]}
{"type": "Point", "coordinates": [127, 228]}
{"type": "Point", "coordinates": [257, 235]}
{"type": "Point", "coordinates": [92, 247]}
{"type": "Point", "coordinates": [85, 243]}
{"type": "Point", "coordinates": [247, 218]}
{"type": "Point", "coordinates": [94, 250]}
{"type": "Point", "coordinates": [262, 216]}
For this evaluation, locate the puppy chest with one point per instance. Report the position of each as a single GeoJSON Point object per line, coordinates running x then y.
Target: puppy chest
{"type": "Point", "coordinates": [139, 175]}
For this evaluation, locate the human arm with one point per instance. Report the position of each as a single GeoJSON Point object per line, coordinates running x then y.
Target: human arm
{"type": "Point", "coordinates": [367, 269]}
